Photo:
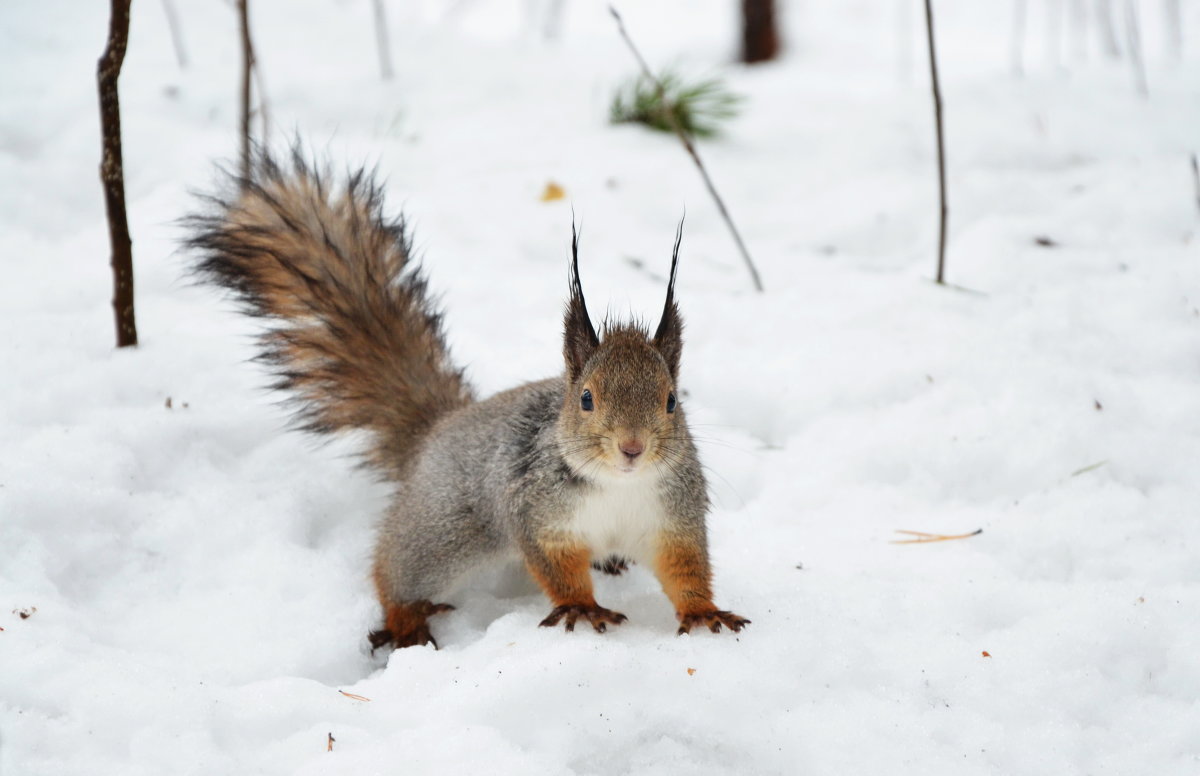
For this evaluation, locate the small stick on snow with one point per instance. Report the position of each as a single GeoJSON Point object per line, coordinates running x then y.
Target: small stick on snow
{"type": "Point", "coordinates": [1089, 468]}
{"type": "Point", "coordinates": [352, 695]}
{"type": "Point", "coordinates": [691, 149]}
{"type": "Point", "coordinates": [329, 743]}
{"type": "Point", "coordinates": [925, 538]}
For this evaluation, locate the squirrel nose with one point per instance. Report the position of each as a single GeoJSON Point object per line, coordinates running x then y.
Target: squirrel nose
{"type": "Point", "coordinates": [632, 448]}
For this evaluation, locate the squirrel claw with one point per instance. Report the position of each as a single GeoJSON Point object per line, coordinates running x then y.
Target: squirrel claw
{"type": "Point", "coordinates": [713, 619]}
{"type": "Point", "coordinates": [598, 616]}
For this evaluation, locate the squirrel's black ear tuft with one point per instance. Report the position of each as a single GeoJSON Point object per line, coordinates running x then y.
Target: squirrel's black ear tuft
{"type": "Point", "coordinates": [668, 338]}
{"type": "Point", "coordinates": [579, 336]}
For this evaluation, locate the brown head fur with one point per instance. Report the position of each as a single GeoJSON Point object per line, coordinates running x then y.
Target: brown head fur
{"type": "Point", "coordinates": [620, 413]}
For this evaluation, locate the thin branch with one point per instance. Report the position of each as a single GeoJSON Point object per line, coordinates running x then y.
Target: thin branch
{"type": "Point", "coordinates": [1108, 33]}
{"type": "Point", "coordinates": [260, 91]}
{"type": "Point", "coordinates": [112, 173]}
{"type": "Point", "coordinates": [552, 23]}
{"type": "Point", "coordinates": [937, 115]}
{"type": "Point", "coordinates": [1196, 178]}
{"type": "Point", "coordinates": [176, 34]}
{"type": "Point", "coordinates": [1018, 37]}
{"type": "Point", "coordinates": [1173, 17]}
{"type": "Point", "coordinates": [1134, 44]}
{"type": "Point", "coordinates": [691, 149]}
{"type": "Point", "coordinates": [247, 65]}
{"type": "Point", "coordinates": [382, 41]}
{"type": "Point", "coordinates": [1054, 14]}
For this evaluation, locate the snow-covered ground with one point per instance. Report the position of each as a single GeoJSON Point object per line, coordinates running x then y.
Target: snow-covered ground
{"type": "Point", "coordinates": [200, 573]}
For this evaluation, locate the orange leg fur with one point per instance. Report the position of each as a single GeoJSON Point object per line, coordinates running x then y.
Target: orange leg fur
{"type": "Point", "coordinates": [562, 570]}
{"type": "Point", "coordinates": [686, 577]}
{"type": "Point", "coordinates": [404, 624]}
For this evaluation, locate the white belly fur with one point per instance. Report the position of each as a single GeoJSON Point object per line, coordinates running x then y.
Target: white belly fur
{"type": "Point", "coordinates": [621, 516]}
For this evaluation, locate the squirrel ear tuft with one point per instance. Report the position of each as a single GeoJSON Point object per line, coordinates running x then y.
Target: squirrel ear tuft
{"type": "Point", "coordinates": [668, 338]}
{"type": "Point", "coordinates": [579, 337]}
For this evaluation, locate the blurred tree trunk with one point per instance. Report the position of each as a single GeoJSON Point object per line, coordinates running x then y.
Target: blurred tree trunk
{"type": "Point", "coordinates": [760, 33]}
{"type": "Point", "coordinates": [112, 174]}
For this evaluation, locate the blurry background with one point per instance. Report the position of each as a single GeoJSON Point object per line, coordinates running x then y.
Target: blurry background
{"type": "Point", "coordinates": [194, 577]}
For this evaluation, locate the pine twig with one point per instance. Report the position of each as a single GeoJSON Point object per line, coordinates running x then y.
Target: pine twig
{"type": "Point", "coordinates": [937, 115]}
{"type": "Point", "coordinates": [691, 149]}
{"type": "Point", "coordinates": [112, 173]}
{"type": "Point", "coordinates": [382, 41]}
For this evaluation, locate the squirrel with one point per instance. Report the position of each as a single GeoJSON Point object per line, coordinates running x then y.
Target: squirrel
{"type": "Point", "coordinates": [595, 466]}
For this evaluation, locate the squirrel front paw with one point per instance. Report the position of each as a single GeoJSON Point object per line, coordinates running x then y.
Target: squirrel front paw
{"type": "Point", "coordinates": [713, 619]}
{"type": "Point", "coordinates": [598, 616]}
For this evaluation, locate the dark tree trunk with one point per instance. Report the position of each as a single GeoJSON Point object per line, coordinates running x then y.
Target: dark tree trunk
{"type": "Point", "coordinates": [760, 34]}
{"type": "Point", "coordinates": [112, 174]}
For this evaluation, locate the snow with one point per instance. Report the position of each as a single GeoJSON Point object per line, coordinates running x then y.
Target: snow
{"type": "Point", "coordinates": [200, 573]}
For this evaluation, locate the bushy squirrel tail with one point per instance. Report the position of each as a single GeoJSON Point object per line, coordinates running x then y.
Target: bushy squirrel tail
{"type": "Point", "coordinates": [351, 332]}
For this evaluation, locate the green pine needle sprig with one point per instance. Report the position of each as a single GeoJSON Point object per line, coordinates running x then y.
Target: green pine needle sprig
{"type": "Point", "coordinates": [700, 107]}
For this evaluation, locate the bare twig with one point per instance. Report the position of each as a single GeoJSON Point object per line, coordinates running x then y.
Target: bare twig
{"type": "Point", "coordinates": [112, 173]}
{"type": "Point", "coordinates": [382, 41]}
{"type": "Point", "coordinates": [937, 115]}
{"type": "Point", "coordinates": [176, 34]}
{"type": "Point", "coordinates": [1054, 14]}
{"type": "Point", "coordinates": [691, 149]}
{"type": "Point", "coordinates": [1018, 37]}
{"type": "Point", "coordinates": [1108, 33]}
{"type": "Point", "coordinates": [1134, 44]}
{"type": "Point", "coordinates": [552, 23]}
{"type": "Point", "coordinates": [247, 65]}
{"type": "Point", "coordinates": [329, 743]}
{"type": "Point", "coordinates": [1079, 30]}
{"type": "Point", "coordinates": [261, 91]}
{"type": "Point", "coordinates": [1196, 178]}
{"type": "Point", "coordinates": [1173, 17]}
{"type": "Point", "coordinates": [920, 537]}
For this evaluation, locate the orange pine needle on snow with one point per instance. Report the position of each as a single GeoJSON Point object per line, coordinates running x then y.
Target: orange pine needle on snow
{"type": "Point", "coordinates": [920, 537]}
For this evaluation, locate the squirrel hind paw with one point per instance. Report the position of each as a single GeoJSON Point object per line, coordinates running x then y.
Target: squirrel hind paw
{"type": "Point", "coordinates": [407, 625]}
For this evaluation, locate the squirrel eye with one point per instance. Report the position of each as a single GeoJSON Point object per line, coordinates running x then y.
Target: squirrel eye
{"type": "Point", "coordinates": [585, 401]}
{"type": "Point", "coordinates": [670, 402]}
